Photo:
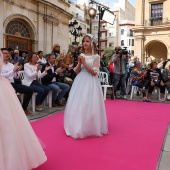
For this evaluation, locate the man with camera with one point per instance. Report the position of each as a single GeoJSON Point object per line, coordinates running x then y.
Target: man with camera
{"type": "Point", "coordinates": [120, 58]}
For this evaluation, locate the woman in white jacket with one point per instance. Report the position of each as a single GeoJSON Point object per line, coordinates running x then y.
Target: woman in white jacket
{"type": "Point", "coordinates": [31, 79]}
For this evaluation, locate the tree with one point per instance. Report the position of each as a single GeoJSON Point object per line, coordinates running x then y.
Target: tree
{"type": "Point", "coordinates": [108, 52]}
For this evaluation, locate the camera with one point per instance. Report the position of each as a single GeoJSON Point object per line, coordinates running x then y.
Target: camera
{"type": "Point", "coordinates": [123, 51]}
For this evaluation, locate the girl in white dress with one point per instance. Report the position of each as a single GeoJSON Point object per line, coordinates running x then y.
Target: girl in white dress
{"type": "Point", "coordinates": [85, 113]}
{"type": "Point", "coordinates": [19, 146]}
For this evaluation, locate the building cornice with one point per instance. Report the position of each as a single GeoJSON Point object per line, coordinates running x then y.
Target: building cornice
{"type": "Point", "coordinates": [127, 24]}
{"type": "Point", "coordinates": [60, 10]}
{"type": "Point", "coordinates": [156, 1]}
{"type": "Point", "coordinates": [154, 28]}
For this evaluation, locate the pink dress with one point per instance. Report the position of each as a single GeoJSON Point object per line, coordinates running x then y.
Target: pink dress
{"type": "Point", "coordinates": [19, 147]}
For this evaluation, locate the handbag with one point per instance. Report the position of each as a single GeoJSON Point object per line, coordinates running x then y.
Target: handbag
{"type": "Point", "coordinates": [68, 80]}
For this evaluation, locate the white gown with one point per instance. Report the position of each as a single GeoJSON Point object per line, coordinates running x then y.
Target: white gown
{"type": "Point", "coordinates": [85, 113]}
{"type": "Point", "coordinates": [19, 147]}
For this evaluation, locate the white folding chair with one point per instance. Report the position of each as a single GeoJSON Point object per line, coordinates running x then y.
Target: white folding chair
{"type": "Point", "coordinates": [134, 88]}
{"type": "Point", "coordinates": [21, 77]}
{"type": "Point", "coordinates": [103, 77]}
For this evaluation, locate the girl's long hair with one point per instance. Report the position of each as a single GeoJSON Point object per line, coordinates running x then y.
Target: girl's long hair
{"type": "Point", "coordinates": [94, 44]}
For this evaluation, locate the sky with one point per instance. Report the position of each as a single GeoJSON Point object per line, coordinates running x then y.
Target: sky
{"type": "Point", "coordinates": [110, 2]}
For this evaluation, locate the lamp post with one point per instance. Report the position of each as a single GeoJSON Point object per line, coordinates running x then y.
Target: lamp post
{"type": "Point", "coordinates": [92, 13]}
{"type": "Point", "coordinates": [75, 30]}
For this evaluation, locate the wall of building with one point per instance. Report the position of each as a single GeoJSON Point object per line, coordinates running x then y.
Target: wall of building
{"type": "Point", "coordinates": [48, 22]}
{"type": "Point", "coordinates": [151, 41]}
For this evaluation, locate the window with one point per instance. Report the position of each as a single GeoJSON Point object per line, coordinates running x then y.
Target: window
{"type": "Point", "coordinates": [122, 43]}
{"type": "Point", "coordinates": [111, 44]}
{"type": "Point", "coordinates": [129, 41]}
{"type": "Point", "coordinates": [156, 10]}
{"type": "Point", "coordinates": [111, 34]}
{"type": "Point", "coordinates": [97, 17]}
{"type": "Point", "coordinates": [122, 32]}
{"type": "Point", "coordinates": [103, 45]}
{"type": "Point", "coordinates": [95, 27]}
{"type": "Point", "coordinates": [132, 42]}
{"type": "Point", "coordinates": [156, 14]}
{"type": "Point", "coordinates": [131, 33]}
{"type": "Point", "coordinates": [18, 28]}
{"type": "Point", "coordinates": [132, 52]}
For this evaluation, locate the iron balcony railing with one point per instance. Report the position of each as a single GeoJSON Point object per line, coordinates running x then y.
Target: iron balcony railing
{"type": "Point", "coordinates": [155, 21]}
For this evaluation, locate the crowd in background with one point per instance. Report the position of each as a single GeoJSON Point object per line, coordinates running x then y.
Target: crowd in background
{"type": "Point", "coordinates": [55, 72]}
{"type": "Point", "coordinates": [42, 73]}
{"type": "Point", "coordinates": [129, 71]}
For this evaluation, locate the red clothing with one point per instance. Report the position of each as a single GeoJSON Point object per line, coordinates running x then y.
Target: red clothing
{"type": "Point", "coordinates": [111, 67]}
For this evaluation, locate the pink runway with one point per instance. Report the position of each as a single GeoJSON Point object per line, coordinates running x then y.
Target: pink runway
{"type": "Point", "coordinates": [137, 131]}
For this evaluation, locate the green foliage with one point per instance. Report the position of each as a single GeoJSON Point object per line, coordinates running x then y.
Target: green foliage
{"type": "Point", "coordinates": [108, 52]}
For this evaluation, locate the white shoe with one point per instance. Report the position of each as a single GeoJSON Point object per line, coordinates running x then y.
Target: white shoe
{"type": "Point", "coordinates": [124, 96]}
{"type": "Point", "coordinates": [168, 96]}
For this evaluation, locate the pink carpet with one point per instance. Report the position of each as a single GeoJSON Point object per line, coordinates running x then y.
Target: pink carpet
{"type": "Point", "coordinates": [136, 136]}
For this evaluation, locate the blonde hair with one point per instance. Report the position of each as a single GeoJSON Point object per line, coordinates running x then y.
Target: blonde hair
{"type": "Point", "coordinates": [167, 65]}
{"type": "Point", "coordinates": [161, 59]}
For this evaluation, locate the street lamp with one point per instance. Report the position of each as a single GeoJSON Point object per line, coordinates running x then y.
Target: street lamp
{"type": "Point", "coordinates": [75, 30]}
{"type": "Point", "coordinates": [92, 13]}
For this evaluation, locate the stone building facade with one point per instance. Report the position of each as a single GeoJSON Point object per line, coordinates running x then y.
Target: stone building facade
{"type": "Point", "coordinates": [33, 25]}
{"type": "Point", "coordinates": [152, 29]}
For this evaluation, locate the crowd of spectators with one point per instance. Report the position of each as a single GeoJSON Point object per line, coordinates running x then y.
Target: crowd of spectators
{"type": "Point", "coordinates": [55, 72]}
{"type": "Point", "coordinates": [125, 71]}
{"type": "Point", "coordinates": [42, 74]}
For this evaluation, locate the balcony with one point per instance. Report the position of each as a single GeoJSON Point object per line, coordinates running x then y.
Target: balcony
{"type": "Point", "coordinates": [157, 21]}
{"type": "Point", "coordinates": [103, 29]}
{"type": "Point", "coordinates": [103, 38]}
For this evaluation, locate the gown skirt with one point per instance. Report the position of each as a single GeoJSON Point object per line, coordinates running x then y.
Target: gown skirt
{"type": "Point", "coordinates": [19, 146]}
{"type": "Point", "coordinates": [85, 113]}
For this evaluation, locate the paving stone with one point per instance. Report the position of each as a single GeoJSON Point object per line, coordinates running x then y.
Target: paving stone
{"type": "Point", "coordinates": [167, 144]}
{"type": "Point", "coordinates": [165, 161]}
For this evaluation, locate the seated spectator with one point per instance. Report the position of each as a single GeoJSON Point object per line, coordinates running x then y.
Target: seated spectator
{"type": "Point", "coordinates": [166, 78]}
{"type": "Point", "coordinates": [56, 50]}
{"type": "Point", "coordinates": [69, 62]}
{"type": "Point", "coordinates": [10, 71]}
{"type": "Point", "coordinates": [11, 55]}
{"type": "Point", "coordinates": [11, 52]}
{"type": "Point", "coordinates": [104, 65]}
{"type": "Point", "coordinates": [41, 59]}
{"type": "Point", "coordinates": [31, 79]}
{"type": "Point", "coordinates": [160, 64]}
{"type": "Point", "coordinates": [59, 89]}
{"type": "Point", "coordinates": [155, 77]}
{"type": "Point", "coordinates": [140, 79]}
{"type": "Point", "coordinates": [16, 56]}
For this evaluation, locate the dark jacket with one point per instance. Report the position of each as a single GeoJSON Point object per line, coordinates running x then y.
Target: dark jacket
{"type": "Point", "coordinates": [50, 75]}
{"type": "Point", "coordinates": [154, 75]}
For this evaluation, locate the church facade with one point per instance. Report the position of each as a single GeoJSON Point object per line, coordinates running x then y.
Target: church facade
{"type": "Point", "coordinates": [33, 25]}
{"type": "Point", "coordinates": [152, 29]}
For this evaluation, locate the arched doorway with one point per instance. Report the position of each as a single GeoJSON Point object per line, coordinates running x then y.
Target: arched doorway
{"type": "Point", "coordinates": [156, 50]}
{"type": "Point", "coordinates": [18, 35]}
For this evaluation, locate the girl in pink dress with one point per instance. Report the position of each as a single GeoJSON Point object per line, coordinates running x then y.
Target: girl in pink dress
{"type": "Point", "coordinates": [19, 146]}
